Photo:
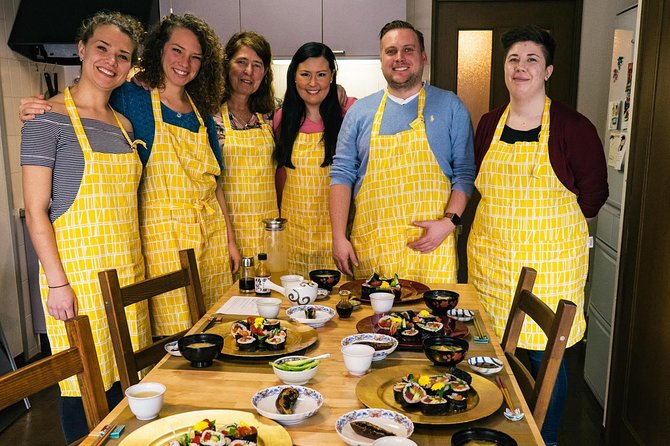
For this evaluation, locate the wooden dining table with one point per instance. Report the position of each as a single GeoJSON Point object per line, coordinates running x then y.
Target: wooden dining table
{"type": "Point", "coordinates": [231, 383]}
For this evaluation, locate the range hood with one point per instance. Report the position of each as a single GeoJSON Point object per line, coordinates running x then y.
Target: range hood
{"type": "Point", "coordinates": [46, 30]}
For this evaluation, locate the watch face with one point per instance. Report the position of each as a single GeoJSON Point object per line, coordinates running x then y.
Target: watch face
{"type": "Point", "coordinates": [455, 218]}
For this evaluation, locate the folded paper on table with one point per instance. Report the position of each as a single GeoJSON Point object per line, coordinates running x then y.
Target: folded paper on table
{"type": "Point", "coordinates": [240, 305]}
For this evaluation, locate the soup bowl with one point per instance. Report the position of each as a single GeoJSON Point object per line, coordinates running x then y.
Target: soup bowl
{"type": "Point", "coordinates": [326, 278]}
{"type": "Point", "coordinates": [445, 350]}
{"type": "Point", "coordinates": [440, 301]}
{"type": "Point", "coordinates": [201, 348]}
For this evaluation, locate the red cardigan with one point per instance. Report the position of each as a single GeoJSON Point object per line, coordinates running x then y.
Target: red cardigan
{"type": "Point", "coordinates": [575, 152]}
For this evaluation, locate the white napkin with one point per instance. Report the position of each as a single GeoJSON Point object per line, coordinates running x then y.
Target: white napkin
{"type": "Point", "coordinates": [243, 305]}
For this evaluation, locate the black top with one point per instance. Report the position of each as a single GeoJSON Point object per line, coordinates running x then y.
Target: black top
{"type": "Point", "coordinates": [510, 135]}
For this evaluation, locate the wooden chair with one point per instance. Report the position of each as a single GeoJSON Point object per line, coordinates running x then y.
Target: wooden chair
{"type": "Point", "coordinates": [116, 298]}
{"type": "Point", "coordinates": [556, 326]}
{"type": "Point", "coordinates": [80, 359]}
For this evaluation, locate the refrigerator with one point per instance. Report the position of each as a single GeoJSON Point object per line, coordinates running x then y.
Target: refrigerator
{"type": "Point", "coordinates": [602, 298]}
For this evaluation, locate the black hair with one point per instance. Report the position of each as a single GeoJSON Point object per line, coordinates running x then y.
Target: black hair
{"type": "Point", "coordinates": [531, 33]}
{"type": "Point", "coordinates": [294, 110]}
{"type": "Point", "coordinates": [401, 24]}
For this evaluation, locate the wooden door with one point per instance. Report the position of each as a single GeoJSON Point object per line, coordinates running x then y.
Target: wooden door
{"type": "Point", "coordinates": [450, 17]}
{"type": "Point", "coordinates": [639, 390]}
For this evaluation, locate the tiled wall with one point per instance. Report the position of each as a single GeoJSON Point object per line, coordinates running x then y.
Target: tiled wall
{"type": "Point", "coordinates": [19, 77]}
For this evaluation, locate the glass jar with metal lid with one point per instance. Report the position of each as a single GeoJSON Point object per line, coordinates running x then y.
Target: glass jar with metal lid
{"type": "Point", "coordinates": [276, 244]}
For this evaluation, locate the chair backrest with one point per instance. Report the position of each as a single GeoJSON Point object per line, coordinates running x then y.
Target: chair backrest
{"type": "Point", "coordinates": [80, 359]}
{"type": "Point", "coordinates": [116, 298]}
{"type": "Point", "coordinates": [556, 326]}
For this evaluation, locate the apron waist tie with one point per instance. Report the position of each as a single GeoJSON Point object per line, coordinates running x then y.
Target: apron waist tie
{"type": "Point", "coordinates": [201, 207]}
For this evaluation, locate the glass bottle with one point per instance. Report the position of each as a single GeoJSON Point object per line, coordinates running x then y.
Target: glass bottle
{"type": "Point", "coordinates": [276, 244]}
{"type": "Point", "coordinates": [247, 274]}
{"type": "Point", "coordinates": [262, 276]}
{"type": "Point", "coordinates": [344, 308]}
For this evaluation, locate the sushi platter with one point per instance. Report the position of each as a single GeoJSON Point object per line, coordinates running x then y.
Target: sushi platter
{"type": "Point", "coordinates": [162, 431]}
{"type": "Point", "coordinates": [410, 290]}
{"type": "Point", "coordinates": [298, 338]}
{"type": "Point", "coordinates": [376, 390]}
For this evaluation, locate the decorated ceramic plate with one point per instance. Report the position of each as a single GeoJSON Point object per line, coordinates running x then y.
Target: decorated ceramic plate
{"type": "Point", "coordinates": [309, 402]}
{"type": "Point", "coordinates": [172, 348]}
{"type": "Point", "coordinates": [322, 315]}
{"type": "Point", "coordinates": [411, 290]}
{"type": "Point", "coordinates": [384, 345]}
{"type": "Point", "coordinates": [298, 338]}
{"type": "Point", "coordinates": [163, 430]}
{"type": "Point", "coordinates": [461, 314]}
{"type": "Point", "coordinates": [376, 390]}
{"type": "Point", "coordinates": [389, 420]}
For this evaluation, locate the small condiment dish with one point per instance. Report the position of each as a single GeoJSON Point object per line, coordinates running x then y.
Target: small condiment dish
{"type": "Point", "coordinates": [485, 365]}
{"type": "Point", "coordinates": [172, 348]}
{"type": "Point", "coordinates": [393, 441]}
{"type": "Point", "coordinates": [358, 358]}
{"type": "Point", "coordinates": [145, 399]}
{"type": "Point", "coordinates": [294, 377]}
{"type": "Point", "coordinates": [381, 302]}
{"type": "Point", "coordinates": [392, 421]}
{"type": "Point", "coordinates": [309, 402]}
{"type": "Point", "coordinates": [376, 341]}
{"type": "Point", "coordinates": [322, 315]}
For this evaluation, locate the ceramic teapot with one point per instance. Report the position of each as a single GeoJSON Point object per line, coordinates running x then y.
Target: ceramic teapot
{"type": "Point", "coordinates": [303, 293]}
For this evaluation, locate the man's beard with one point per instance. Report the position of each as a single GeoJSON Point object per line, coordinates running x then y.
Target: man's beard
{"type": "Point", "coordinates": [411, 82]}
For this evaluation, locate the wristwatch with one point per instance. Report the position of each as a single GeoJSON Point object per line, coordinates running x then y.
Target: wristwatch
{"type": "Point", "coordinates": [454, 218]}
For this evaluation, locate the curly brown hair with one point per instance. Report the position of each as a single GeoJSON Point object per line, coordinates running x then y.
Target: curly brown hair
{"type": "Point", "coordinates": [128, 25]}
{"type": "Point", "coordinates": [207, 87]}
{"type": "Point", "coordinates": [263, 99]}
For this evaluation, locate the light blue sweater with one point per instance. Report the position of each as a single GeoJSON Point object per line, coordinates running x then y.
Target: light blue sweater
{"type": "Point", "coordinates": [448, 128]}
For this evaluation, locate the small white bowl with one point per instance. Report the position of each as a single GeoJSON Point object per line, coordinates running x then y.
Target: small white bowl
{"type": "Point", "coordinates": [358, 358]}
{"type": "Point", "coordinates": [485, 365]}
{"type": "Point", "coordinates": [373, 337]}
{"type": "Point", "coordinates": [309, 402]}
{"type": "Point", "coordinates": [393, 441]}
{"type": "Point", "coordinates": [145, 399]}
{"type": "Point", "coordinates": [295, 378]}
{"type": "Point", "coordinates": [299, 314]}
{"type": "Point", "coordinates": [381, 302]}
{"type": "Point", "coordinates": [392, 421]}
{"type": "Point", "coordinates": [268, 307]}
{"type": "Point", "coordinates": [172, 348]}
{"type": "Point", "coordinates": [291, 280]}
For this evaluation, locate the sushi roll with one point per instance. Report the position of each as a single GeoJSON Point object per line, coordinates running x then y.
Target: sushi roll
{"type": "Point", "coordinates": [460, 387]}
{"type": "Point", "coordinates": [434, 405]}
{"type": "Point", "coordinates": [212, 438]}
{"type": "Point", "coordinates": [398, 391]}
{"type": "Point", "coordinates": [310, 312]}
{"type": "Point", "coordinates": [271, 324]}
{"type": "Point", "coordinates": [240, 432]}
{"type": "Point", "coordinates": [239, 329]}
{"type": "Point", "coordinates": [410, 336]}
{"type": "Point", "coordinates": [460, 374]}
{"type": "Point", "coordinates": [412, 394]}
{"type": "Point", "coordinates": [457, 402]}
{"type": "Point", "coordinates": [431, 328]}
{"type": "Point", "coordinates": [247, 343]}
{"type": "Point", "coordinates": [276, 342]}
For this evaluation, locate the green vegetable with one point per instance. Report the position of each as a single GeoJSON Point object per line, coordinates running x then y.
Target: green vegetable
{"type": "Point", "coordinates": [296, 365]}
{"type": "Point", "coordinates": [395, 282]}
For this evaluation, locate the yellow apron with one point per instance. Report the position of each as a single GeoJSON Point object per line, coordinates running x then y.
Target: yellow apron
{"type": "Point", "coordinates": [403, 183]}
{"type": "Point", "coordinates": [527, 218]}
{"type": "Point", "coordinates": [99, 231]}
{"type": "Point", "coordinates": [249, 182]}
{"type": "Point", "coordinates": [179, 210]}
{"type": "Point", "coordinates": [305, 205]}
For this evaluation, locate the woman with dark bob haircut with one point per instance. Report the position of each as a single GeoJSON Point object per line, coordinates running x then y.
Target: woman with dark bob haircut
{"type": "Point", "coordinates": [246, 138]}
{"type": "Point", "coordinates": [541, 174]}
{"type": "Point", "coordinates": [306, 129]}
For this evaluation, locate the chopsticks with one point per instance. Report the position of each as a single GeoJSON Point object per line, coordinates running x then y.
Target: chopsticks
{"type": "Point", "coordinates": [505, 392]}
{"type": "Point", "coordinates": [104, 433]}
{"type": "Point", "coordinates": [481, 338]}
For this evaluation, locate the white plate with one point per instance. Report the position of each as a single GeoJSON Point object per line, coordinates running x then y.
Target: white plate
{"type": "Point", "coordinates": [323, 315]}
{"type": "Point", "coordinates": [309, 402]}
{"type": "Point", "coordinates": [485, 365]}
{"type": "Point", "coordinates": [461, 314]}
{"type": "Point", "coordinates": [172, 348]}
{"type": "Point", "coordinates": [392, 421]}
{"type": "Point", "coordinates": [322, 293]}
{"type": "Point", "coordinates": [379, 354]}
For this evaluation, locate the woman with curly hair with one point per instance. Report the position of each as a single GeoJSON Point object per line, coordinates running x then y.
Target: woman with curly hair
{"type": "Point", "coordinates": [306, 130]}
{"type": "Point", "coordinates": [246, 138]}
{"type": "Point", "coordinates": [181, 202]}
{"type": "Point", "coordinates": [80, 178]}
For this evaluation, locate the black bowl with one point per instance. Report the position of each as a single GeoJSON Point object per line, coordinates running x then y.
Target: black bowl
{"type": "Point", "coordinates": [326, 278]}
{"type": "Point", "coordinates": [465, 436]}
{"type": "Point", "coordinates": [440, 301]}
{"type": "Point", "coordinates": [201, 348]}
{"type": "Point", "coordinates": [445, 350]}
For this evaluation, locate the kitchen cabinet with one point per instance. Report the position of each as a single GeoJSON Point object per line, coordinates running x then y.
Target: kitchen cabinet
{"type": "Point", "coordinates": [286, 24]}
{"type": "Point", "coordinates": [358, 34]}
{"type": "Point", "coordinates": [222, 15]}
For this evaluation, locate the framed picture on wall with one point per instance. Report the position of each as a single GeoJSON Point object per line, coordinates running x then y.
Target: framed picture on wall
{"type": "Point", "coordinates": [614, 115]}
